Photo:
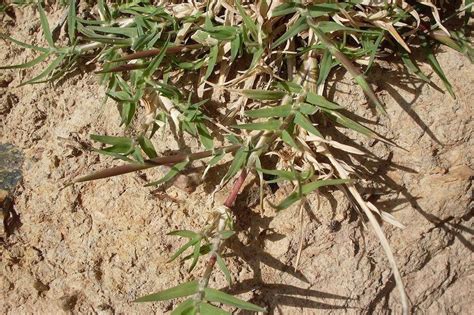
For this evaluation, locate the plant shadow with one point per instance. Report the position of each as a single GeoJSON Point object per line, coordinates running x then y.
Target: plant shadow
{"type": "Point", "coordinates": [369, 166]}
{"type": "Point", "coordinates": [257, 226]}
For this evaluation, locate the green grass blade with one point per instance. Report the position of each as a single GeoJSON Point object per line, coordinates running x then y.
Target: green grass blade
{"type": "Point", "coordinates": [121, 145]}
{"type": "Point", "coordinates": [45, 25]}
{"type": "Point", "coordinates": [248, 22]}
{"type": "Point", "coordinates": [183, 233]}
{"type": "Point", "coordinates": [182, 249]}
{"type": "Point", "coordinates": [307, 189]}
{"type": "Point", "coordinates": [348, 65]}
{"type": "Point", "coordinates": [155, 63]}
{"type": "Point", "coordinates": [204, 135]}
{"type": "Point", "coordinates": [257, 55]}
{"type": "Point", "coordinates": [412, 67]}
{"type": "Point", "coordinates": [437, 68]}
{"type": "Point", "coordinates": [306, 124]}
{"type": "Point", "coordinates": [236, 46]}
{"type": "Point", "coordinates": [237, 163]}
{"type": "Point", "coordinates": [299, 26]}
{"type": "Point", "coordinates": [349, 123]}
{"type": "Point", "coordinates": [196, 254]}
{"type": "Point", "coordinates": [212, 61]}
{"type": "Point", "coordinates": [180, 290]}
{"type": "Point", "coordinates": [376, 47]}
{"type": "Point", "coordinates": [187, 307]}
{"type": "Point", "coordinates": [287, 175]}
{"type": "Point", "coordinates": [323, 9]}
{"type": "Point", "coordinates": [46, 72]}
{"type": "Point", "coordinates": [124, 31]}
{"type": "Point", "coordinates": [28, 64]}
{"type": "Point", "coordinates": [226, 234]}
{"type": "Point", "coordinates": [218, 296]}
{"type": "Point", "coordinates": [104, 10]}
{"type": "Point", "coordinates": [324, 67]}
{"type": "Point", "coordinates": [24, 45]}
{"type": "Point", "coordinates": [290, 87]}
{"type": "Point", "coordinates": [370, 93]}
{"type": "Point", "coordinates": [208, 309]}
{"type": "Point", "coordinates": [71, 21]}
{"type": "Point", "coordinates": [175, 170]}
{"type": "Point", "coordinates": [308, 109]}
{"type": "Point", "coordinates": [321, 101]}
{"type": "Point", "coordinates": [284, 9]}
{"type": "Point", "coordinates": [270, 124]}
{"type": "Point", "coordinates": [223, 268]}
{"type": "Point", "coordinates": [261, 95]}
{"type": "Point", "coordinates": [287, 137]}
{"type": "Point", "coordinates": [128, 111]}
{"type": "Point", "coordinates": [268, 112]}
{"type": "Point", "coordinates": [147, 147]}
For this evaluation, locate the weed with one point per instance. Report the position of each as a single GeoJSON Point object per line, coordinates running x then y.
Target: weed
{"type": "Point", "coordinates": [268, 62]}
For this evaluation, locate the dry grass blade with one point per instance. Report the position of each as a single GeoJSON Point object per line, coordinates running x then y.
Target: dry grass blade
{"type": "Point", "coordinates": [378, 231]}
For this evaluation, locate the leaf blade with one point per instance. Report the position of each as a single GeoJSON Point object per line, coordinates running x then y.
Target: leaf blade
{"type": "Point", "coordinates": [180, 290]}
{"type": "Point", "coordinates": [213, 295]}
{"type": "Point", "coordinates": [45, 25]}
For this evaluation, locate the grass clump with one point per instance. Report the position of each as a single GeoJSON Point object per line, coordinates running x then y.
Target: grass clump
{"type": "Point", "coordinates": [247, 79]}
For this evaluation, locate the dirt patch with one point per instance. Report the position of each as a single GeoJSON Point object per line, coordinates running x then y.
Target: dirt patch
{"type": "Point", "coordinates": [95, 247]}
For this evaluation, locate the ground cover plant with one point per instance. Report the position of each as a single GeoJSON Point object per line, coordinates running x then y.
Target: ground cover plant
{"type": "Point", "coordinates": [249, 81]}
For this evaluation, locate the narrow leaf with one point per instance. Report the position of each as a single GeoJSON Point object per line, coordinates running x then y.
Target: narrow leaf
{"type": "Point", "coordinates": [204, 135]}
{"type": "Point", "coordinates": [208, 309]}
{"type": "Point", "coordinates": [284, 9]}
{"type": "Point", "coordinates": [24, 45]}
{"type": "Point", "coordinates": [183, 248]}
{"type": "Point", "coordinates": [261, 95]}
{"type": "Point", "coordinates": [299, 26]}
{"type": "Point", "coordinates": [175, 170]}
{"type": "Point", "coordinates": [235, 47]}
{"type": "Point", "coordinates": [226, 234]}
{"type": "Point", "coordinates": [349, 123]}
{"type": "Point", "coordinates": [221, 297]}
{"type": "Point", "coordinates": [196, 254]}
{"type": "Point", "coordinates": [71, 21]}
{"type": "Point", "coordinates": [155, 63]}
{"type": "Point", "coordinates": [248, 22]}
{"type": "Point", "coordinates": [279, 173]}
{"type": "Point", "coordinates": [306, 124]}
{"type": "Point", "coordinates": [237, 163]}
{"type": "Point", "coordinates": [412, 67]}
{"type": "Point", "coordinates": [147, 147]}
{"type": "Point", "coordinates": [180, 290]}
{"type": "Point", "coordinates": [45, 25]}
{"type": "Point", "coordinates": [121, 145]}
{"type": "Point", "coordinates": [267, 112]}
{"type": "Point", "coordinates": [213, 53]}
{"type": "Point", "coordinates": [287, 137]}
{"type": "Point", "coordinates": [306, 189]}
{"type": "Point", "coordinates": [183, 233]}
{"type": "Point", "coordinates": [184, 308]}
{"type": "Point", "coordinates": [224, 269]}
{"type": "Point", "coordinates": [324, 67]}
{"type": "Point", "coordinates": [52, 66]}
{"type": "Point", "coordinates": [320, 101]}
{"type": "Point", "coordinates": [437, 68]}
{"type": "Point", "coordinates": [267, 125]}
{"type": "Point", "coordinates": [28, 64]}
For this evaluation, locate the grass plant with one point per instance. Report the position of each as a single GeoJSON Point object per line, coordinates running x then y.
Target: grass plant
{"type": "Point", "coordinates": [247, 79]}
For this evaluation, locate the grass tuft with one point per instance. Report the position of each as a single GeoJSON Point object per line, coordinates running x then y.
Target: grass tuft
{"type": "Point", "coordinates": [266, 65]}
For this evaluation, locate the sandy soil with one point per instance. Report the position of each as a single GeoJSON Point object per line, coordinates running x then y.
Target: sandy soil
{"type": "Point", "coordinates": [95, 247]}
